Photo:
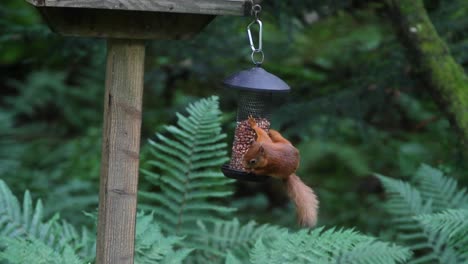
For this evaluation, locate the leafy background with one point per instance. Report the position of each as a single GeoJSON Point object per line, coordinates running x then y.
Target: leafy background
{"type": "Point", "coordinates": [356, 108]}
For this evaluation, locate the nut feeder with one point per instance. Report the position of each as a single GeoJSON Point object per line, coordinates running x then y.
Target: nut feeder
{"type": "Point", "coordinates": [256, 90]}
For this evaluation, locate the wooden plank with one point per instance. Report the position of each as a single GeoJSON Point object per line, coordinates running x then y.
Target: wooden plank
{"type": "Point", "coordinates": [123, 24]}
{"type": "Point", "coordinates": [120, 151]}
{"type": "Point", "coordinates": [208, 7]}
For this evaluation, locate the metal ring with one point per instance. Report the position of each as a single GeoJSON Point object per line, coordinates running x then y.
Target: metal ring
{"type": "Point", "coordinates": [262, 57]}
{"type": "Point", "coordinates": [256, 9]}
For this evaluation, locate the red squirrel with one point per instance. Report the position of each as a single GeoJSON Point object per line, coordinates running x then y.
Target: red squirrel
{"type": "Point", "coordinates": [273, 155]}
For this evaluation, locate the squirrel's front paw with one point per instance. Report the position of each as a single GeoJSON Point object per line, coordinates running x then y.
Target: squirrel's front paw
{"type": "Point", "coordinates": [252, 121]}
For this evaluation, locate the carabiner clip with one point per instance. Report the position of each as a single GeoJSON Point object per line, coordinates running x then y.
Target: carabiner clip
{"type": "Point", "coordinates": [260, 33]}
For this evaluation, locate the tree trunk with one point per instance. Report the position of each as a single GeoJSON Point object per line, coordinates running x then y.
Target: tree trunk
{"type": "Point", "coordinates": [432, 61]}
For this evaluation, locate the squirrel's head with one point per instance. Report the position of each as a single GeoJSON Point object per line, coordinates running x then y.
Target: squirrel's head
{"type": "Point", "coordinates": [255, 156]}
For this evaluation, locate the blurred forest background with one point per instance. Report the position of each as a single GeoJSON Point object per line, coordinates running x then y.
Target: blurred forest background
{"type": "Point", "coordinates": [357, 104]}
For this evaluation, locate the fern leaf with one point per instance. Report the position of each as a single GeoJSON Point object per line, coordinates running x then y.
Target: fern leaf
{"type": "Point", "coordinates": [27, 225]}
{"type": "Point", "coordinates": [326, 246]}
{"type": "Point", "coordinates": [186, 161]}
{"type": "Point", "coordinates": [403, 199]}
{"type": "Point", "coordinates": [403, 203]}
{"type": "Point", "coordinates": [429, 236]}
{"type": "Point", "coordinates": [21, 250]}
{"type": "Point", "coordinates": [374, 252]}
{"type": "Point", "coordinates": [448, 234]}
{"type": "Point", "coordinates": [83, 243]}
{"type": "Point", "coordinates": [443, 191]}
{"type": "Point", "coordinates": [218, 238]}
{"type": "Point", "coordinates": [231, 259]}
{"type": "Point", "coordinates": [21, 222]}
{"type": "Point", "coordinates": [152, 247]}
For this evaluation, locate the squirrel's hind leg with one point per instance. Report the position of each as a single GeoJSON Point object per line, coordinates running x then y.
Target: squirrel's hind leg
{"type": "Point", "coordinates": [277, 138]}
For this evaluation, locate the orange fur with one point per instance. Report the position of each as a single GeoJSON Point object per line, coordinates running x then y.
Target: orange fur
{"type": "Point", "coordinates": [277, 138]}
{"type": "Point", "coordinates": [271, 154]}
{"type": "Point", "coordinates": [305, 200]}
{"type": "Point", "coordinates": [262, 135]}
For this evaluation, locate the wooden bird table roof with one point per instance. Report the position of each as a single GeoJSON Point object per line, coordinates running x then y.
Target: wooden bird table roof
{"type": "Point", "coordinates": [207, 7]}
{"type": "Point", "coordinates": [135, 19]}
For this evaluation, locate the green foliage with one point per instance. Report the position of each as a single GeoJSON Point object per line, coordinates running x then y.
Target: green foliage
{"type": "Point", "coordinates": [67, 172]}
{"type": "Point", "coordinates": [76, 177]}
{"type": "Point", "coordinates": [22, 221]}
{"type": "Point", "coordinates": [46, 91]}
{"type": "Point", "coordinates": [10, 149]}
{"type": "Point", "coordinates": [351, 33]}
{"type": "Point", "coordinates": [231, 239]}
{"type": "Point", "coordinates": [443, 191]}
{"type": "Point", "coordinates": [216, 240]}
{"type": "Point", "coordinates": [27, 238]}
{"type": "Point", "coordinates": [355, 107]}
{"type": "Point", "coordinates": [412, 205]}
{"type": "Point", "coordinates": [189, 180]}
{"type": "Point", "coordinates": [26, 226]}
{"type": "Point", "coordinates": [26, 222]}
{"type": "Point", "coordinates": [152, 247]}
{"type": "Point", "coordinates": [327, 246]}
{"type": "Point", "coordinates": [448, 230]}
{"type": "Point", "coordinates": [451, 23]}
{"type": "Point", "coordinates": [31, 250]}
{"type": "Point", "coordinates": [347, 71]}
{"type": "Point", "coordinates": [187, 183]}
{"type": "Point", "coordinates": [317, 152]}
{"type": "Point", "coordinates": [52, 95]}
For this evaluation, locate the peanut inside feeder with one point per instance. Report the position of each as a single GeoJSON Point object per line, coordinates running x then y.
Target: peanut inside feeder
{"type": "Point", "coordinates": [256, 90]}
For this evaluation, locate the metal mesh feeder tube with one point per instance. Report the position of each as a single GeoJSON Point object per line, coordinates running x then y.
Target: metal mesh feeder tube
{"type": "Point", "coordinates": [256, 89]}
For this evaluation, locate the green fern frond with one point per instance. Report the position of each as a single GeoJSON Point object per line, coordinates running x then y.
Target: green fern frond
{"type": "Point", "coordinates": [231, 259]}
{"type": "Point", "coordinates": [403, 203]}
{"type": "Point", "coordinates": [403, 200]}
{"type": "Point", "coordinates": [371, 252]}
{"type": "Point", "coordinates": [26, 224]}
{"type": "Point", "coordinates": [448, 234]}
{"type": "Point", "coordinates": [26, 221]}
{"type": "Point", "coordinates": [443, 191]}
{"type": "Point", "coordinates": [186, 161]}
{"type": "Point", "coordinates": [326, 246]}
{"type": "Point", "coordinates": [426, 234]}
{"type": "Point", "coordinates": [30, 250]}
{"type": "Point", "coordinates": [84, 243]}
{"type": "Point", "coordinates": [222, 237]}
{"type": "Point", "coordinates": [152, 247]}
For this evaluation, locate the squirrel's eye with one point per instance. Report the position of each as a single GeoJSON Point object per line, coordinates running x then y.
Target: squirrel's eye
{"type": "Point", "coordinates": [252, 161]}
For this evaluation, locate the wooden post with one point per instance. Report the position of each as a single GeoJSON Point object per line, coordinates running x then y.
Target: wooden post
{"type": "Point", "coordinates": [120, 151]}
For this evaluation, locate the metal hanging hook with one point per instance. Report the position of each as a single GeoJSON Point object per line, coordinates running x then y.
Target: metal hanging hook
{"type": "Point", "coordinates": [260, 33]}
{"type": "Point", "coordinates": [256, 50]}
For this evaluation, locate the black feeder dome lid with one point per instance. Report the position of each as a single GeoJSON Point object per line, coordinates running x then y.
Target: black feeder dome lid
{"type": "Point", "coordinates": [256, 79]}
{"type": "Point", "coordinates": [259, 80]}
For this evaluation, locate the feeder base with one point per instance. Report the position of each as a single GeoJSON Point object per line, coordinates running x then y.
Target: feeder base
{"type": "Point", "coordinates": [242, 175]}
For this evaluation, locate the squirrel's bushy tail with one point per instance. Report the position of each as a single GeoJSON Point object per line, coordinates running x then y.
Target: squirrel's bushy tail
{"type": "Point", "coordinates": [305, 200]}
